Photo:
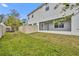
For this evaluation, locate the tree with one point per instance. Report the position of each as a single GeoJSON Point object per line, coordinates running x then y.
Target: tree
{"type": "Point", "coordinates": [13, 20]}
{"type": "Point", "coordinates": [23, 20]}
{"type": "Point", "coordinates": [67, 5]}
{"type": "Point", "coordinates": [1, 17]}
{"type": "Point", "coordinates": [14, 13]}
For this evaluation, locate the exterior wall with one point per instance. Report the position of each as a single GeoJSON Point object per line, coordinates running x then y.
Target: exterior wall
{"type": "Point", "coordinates": [41, 15]}
{"type": "Point", "coordinates": [50, 26]}
{"type": "Point", "coordinates": [75, 24]}
{"type": "Point", "coordinates": [67, 27]}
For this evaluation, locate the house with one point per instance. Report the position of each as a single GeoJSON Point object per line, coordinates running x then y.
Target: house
{"type": "Point", "coordinates": [58, 18]}
{"type": "Point", "coordinates": [2, 29]}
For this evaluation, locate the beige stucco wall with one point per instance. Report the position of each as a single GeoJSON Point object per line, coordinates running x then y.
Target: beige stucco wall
{"type": "Point", "coordinates": [28, 29]}
{"type": "Point", "coordinates": [2, 29]}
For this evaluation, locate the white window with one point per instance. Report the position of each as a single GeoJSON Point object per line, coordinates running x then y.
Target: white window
{"type": "Point", "coordinates": [60, 25]}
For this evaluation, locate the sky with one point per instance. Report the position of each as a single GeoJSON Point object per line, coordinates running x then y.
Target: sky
{"type": "Point", "coordinates": [22, 8]}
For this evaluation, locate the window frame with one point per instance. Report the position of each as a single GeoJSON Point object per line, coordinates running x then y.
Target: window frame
{"type": "Point", "coordinates": [59, 25]}
{"type": "Point", "coordinates": [32, 16]}
{"type": "Point", "coordinates": [28, 18]}
{"type": "Point", "coordinates": [47, 8]}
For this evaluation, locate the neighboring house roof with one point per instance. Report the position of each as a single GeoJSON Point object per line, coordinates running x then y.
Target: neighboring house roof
{"type": "Point", "coordinates": [37, 9]}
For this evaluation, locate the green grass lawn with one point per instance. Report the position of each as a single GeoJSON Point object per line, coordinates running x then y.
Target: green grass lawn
{"type": "Point", "coordinates": [38, 44]}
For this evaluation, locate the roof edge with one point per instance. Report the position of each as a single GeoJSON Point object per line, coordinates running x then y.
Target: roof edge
{"type": "Point", "coordinates": [37, 8]}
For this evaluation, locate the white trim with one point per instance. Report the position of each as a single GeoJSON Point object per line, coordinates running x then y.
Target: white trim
{"type": "Point", "coordinates": [58, 32]}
